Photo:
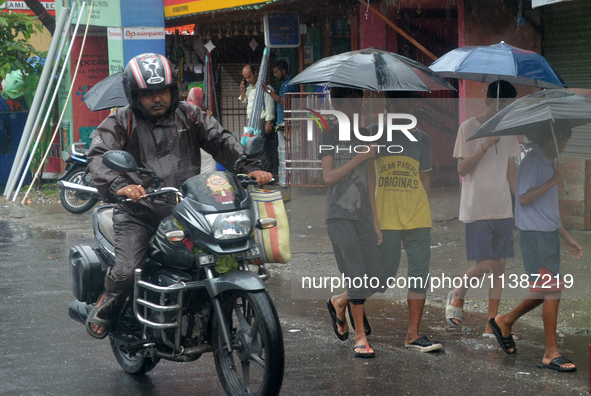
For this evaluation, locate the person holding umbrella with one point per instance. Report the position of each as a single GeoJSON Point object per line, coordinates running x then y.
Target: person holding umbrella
{"type": "Point", "coordinates": [485, 203]}
{"type": "Point", "coordinates": [538, 219]}
{"type": "Point", "coordinates": [349, 222]}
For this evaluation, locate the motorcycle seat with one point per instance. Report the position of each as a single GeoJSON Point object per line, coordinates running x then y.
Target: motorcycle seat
{"type": "Point", "coordinates": [106, 225]}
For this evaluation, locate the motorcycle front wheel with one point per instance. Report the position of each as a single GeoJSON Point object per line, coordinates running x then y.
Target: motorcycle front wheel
{"type": "Point", "coordinates": [73, 201]}
{"type": "Point", "coordinates": [256, 364]}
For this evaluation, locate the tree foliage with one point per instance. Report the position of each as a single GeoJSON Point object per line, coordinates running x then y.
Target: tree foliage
{"type": "Point", "coordinates": [15, 30]}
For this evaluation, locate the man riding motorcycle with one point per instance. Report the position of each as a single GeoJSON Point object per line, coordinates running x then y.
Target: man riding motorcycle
{"type": "Point", "coordinates": [163, 135]}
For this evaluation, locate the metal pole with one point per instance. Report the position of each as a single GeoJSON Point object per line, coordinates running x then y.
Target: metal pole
{"type": "Point", "coordinates": [498, 91]}
{"type": "Point", "coordinates": [47, 89]}
{"type": "Point", "coordinates": [35, 105]}
{"type": "Point", "coordinates": [557, 152]}
{"type": "Point", "coordinates": [65, 104]}
{"type": "Point", "coordinates": [47, 116]}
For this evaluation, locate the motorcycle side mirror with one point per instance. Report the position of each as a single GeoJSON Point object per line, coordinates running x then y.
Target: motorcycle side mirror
{"type": "Point", "coordinates": [119, 161]}
{"type": "Point", "coordinates": [254, 145]}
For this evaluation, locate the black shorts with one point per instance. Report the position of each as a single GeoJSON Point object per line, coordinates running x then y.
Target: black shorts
{"type": "Point", "coordinates": [355, 246]}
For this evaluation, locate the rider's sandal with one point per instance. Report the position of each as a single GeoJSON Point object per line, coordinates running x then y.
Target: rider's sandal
{"type": "Point", "coordinates": [93, 319]}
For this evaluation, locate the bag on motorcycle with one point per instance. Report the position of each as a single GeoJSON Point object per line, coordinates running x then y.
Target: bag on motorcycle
{"type": "Point", "coordinates": [88, 274]}
{"type": "Point", "coordinates": [275, 241]}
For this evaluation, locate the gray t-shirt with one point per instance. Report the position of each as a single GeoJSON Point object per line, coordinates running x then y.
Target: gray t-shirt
{"type": "Point", "coordinates": [542, 214]}
{"type": "Point", "coordinates": [348, 198]}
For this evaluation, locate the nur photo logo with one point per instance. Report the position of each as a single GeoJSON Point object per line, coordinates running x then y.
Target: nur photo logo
{"type": "Point", "coordinates": [350, 130]}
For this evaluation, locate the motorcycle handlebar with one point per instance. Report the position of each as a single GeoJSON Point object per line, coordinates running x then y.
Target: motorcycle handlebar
{"type": "Point", "coordinates": [154, 194]}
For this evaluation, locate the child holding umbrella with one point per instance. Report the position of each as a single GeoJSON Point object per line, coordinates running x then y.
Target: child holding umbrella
{"type": "Point", "coordinates": [538, 219]}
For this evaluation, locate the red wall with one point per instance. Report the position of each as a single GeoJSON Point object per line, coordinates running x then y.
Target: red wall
{"type": "Point", "coordinates": [372, 29]}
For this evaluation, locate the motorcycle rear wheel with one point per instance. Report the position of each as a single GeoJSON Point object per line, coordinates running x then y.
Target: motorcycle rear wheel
{"type": "Point", "coordinates": [73, 201]}
{"type": "Point", "coordinates": [134, 363]}
{"type": "Point", "coordinates": [256, 364]}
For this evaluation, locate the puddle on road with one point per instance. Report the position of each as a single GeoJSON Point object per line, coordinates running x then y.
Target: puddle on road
{"type": "Point", "coordinates": [11, 232]}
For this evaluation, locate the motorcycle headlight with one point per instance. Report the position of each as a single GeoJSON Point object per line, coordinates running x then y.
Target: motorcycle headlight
{"type": "Point", "coordinates": [230, 225]}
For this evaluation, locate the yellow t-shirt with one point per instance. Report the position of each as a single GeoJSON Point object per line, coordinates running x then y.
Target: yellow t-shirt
{"type": "Point", "coordinates": [401, 199]}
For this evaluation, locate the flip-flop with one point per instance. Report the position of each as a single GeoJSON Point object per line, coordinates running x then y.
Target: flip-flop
{"type": "Point", "coordinates": [93, 319]}
{"type": "Point", "coordinates": [366, 355]}
{"type": "Point", "coordinates": [556, 364]}
{"type": "Point", "coordinates": [336, 321]}
{"type": "Point", "coordinates": [452, 312]}
{"type": "Point", "coordinates": [366, 326]}
{"type": "Point", "coordinates": [505, 342]}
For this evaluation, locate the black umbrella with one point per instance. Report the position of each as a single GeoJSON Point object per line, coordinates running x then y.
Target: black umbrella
{"type": "Point", "coordinates": [372, 69]}
{"type": "Point", "coordinates": [108, 93]}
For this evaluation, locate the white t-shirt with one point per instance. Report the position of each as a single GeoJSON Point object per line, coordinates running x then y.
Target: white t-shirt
{"type": "Point", "coordinates": [485, 191]}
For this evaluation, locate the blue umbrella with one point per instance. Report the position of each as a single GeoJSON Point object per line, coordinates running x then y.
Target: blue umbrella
{"type": "Point", "coordinates": [496, 62]}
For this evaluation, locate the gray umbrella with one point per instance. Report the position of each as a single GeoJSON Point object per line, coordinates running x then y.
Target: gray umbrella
{"type": "Point", "coordinates": [551, 109]}
{"type": "Point", "coordinates": [106, 94]}
{"type": "Point", "coordinates": [372, 69]}
{"type": "Point", "coordinates": [544, 110]}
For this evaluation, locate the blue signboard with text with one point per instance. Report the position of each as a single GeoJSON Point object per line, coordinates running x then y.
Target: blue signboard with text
{"type": "Point", "coordinates": [282, 30]}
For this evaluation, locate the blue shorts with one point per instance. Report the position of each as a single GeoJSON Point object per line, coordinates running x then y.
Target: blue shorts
{"type": "Point", "coordinates": [540, 252]}
{"type": "Point", "coordinates": [489, 239]}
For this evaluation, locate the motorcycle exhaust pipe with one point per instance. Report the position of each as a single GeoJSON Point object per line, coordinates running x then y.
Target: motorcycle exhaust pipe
{"type": "Point", "coordinates": [77, 187]}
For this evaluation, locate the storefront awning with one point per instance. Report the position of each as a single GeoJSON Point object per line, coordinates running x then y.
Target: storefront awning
{"type": "Point", "coordinates": [182, 8]}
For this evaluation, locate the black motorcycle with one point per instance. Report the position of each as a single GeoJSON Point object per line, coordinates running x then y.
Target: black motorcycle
{"type": "Point", "coordinates": [78, 201]}
{"type": "Point", "coordinates": [187, 302]}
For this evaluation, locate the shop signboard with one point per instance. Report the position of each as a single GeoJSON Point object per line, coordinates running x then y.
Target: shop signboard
{"type": "Point", "coordinates": [105, 13]}
{"type": "Point", "coordinates": [174, 8]}
{"type": "Point", "coordinates": [139, 40]}
{"type": "Point", "coordinates": [282, 30]}
{"type": "Point", "coordinates": [22, 7]}
{"type": "Point", "coordinates": [115, 44]}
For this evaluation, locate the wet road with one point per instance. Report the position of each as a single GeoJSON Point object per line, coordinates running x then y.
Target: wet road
{"type": "Point", "coordinates": [45, 353]}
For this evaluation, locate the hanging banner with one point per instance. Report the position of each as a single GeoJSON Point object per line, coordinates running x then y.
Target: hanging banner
{"type": "Point", "coordinates": [115, 45]}
{"type": "Point", "coordinates": [94, 67]}
{"type": "Point", "coordinates": [174, 8]}
{"type": "Point", "coordinates": [539, 3]}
